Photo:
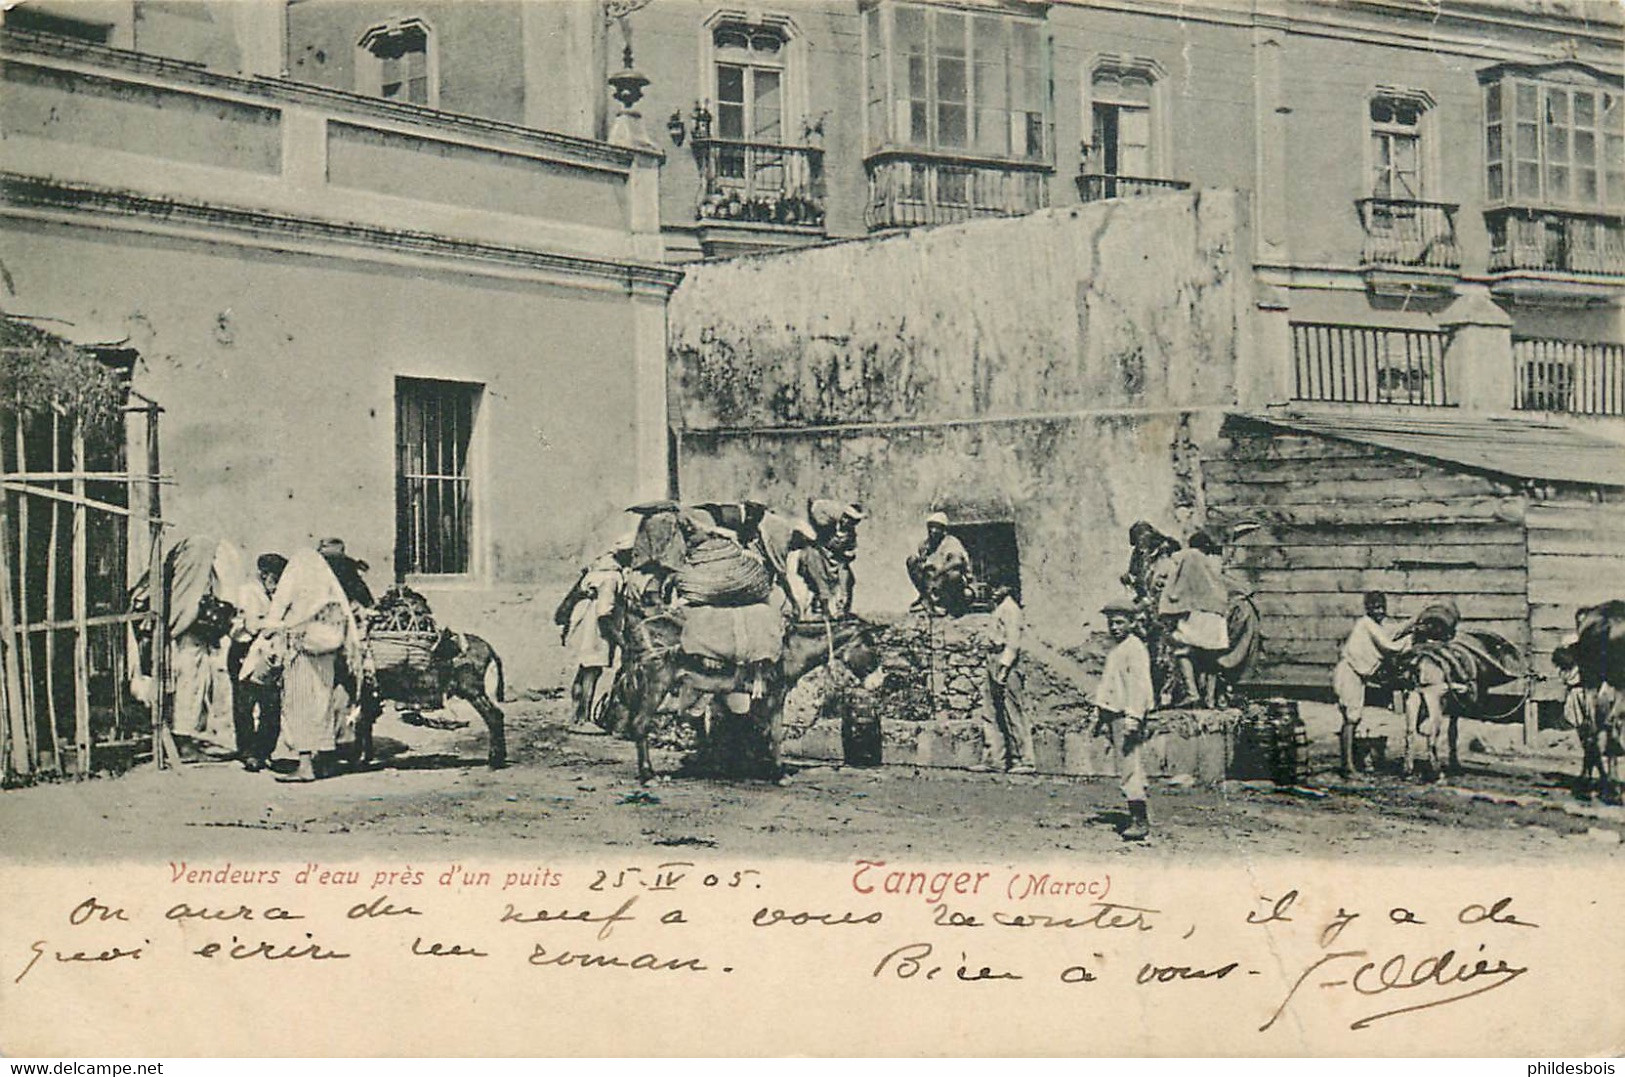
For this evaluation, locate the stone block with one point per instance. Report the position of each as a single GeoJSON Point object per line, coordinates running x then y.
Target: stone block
{"type": "Point", "coordinates": [1088, 755]}
{"type": "Point", "coordinates": [1049, 750]}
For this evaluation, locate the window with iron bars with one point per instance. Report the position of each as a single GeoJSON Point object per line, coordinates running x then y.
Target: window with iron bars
{"type": "Point", "coordinates": [434, 505]}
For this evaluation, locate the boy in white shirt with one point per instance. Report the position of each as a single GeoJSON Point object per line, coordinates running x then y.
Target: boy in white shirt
{"type": "Point", "coordinates": [1124, 698]}
{"type": "Point", "coordinates": [1368, 647]}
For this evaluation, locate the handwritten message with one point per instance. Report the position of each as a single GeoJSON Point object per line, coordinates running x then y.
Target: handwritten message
{"type": "Point", "coordinates": [1289, 961]}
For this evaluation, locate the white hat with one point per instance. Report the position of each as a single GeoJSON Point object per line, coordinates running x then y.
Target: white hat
{"type": "Point", "coordinates": [938, 518]}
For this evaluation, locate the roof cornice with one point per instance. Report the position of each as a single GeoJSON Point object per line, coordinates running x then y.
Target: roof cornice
{"type": "Point", "coordinates": [76, 203]}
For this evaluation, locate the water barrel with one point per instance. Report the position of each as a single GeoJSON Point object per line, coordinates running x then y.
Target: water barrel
{"type": "Point", "coordinates": [860, 731]}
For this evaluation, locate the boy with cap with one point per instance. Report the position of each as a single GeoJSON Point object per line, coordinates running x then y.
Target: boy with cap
{"type": "Point", "coordinates": [1123, 700]}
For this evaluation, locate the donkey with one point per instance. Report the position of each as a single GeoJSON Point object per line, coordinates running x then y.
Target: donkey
{"type": "Point", "coordinates": [654, 665]}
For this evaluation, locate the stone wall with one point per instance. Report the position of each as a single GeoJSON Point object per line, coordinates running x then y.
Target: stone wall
{"type": "Point", "coordinates": [930, 709]}
{"type": "Point", "coordinates": [1060, 372]}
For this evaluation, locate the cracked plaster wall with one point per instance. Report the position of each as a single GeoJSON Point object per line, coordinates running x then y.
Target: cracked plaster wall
{"type": "Point", "coordinates": [1061, 370]}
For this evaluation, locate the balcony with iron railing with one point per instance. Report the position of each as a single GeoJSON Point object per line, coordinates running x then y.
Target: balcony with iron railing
{"type": "Point", "coordinates": [1551, 249]}
{"type": "Point", "coordinates": [909, 188]}
{"type": "Point", "coordinates": [1569, 376]}
{"type": "Point", "coordinates": [1358, 364]}
{"type": "Point", "coordinates": [760, 184]}
{"type": "Point", "coordinates": [1098, 187]}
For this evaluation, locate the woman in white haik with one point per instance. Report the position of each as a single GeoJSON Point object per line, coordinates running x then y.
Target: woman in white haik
{"type": "Point", "coordinates": [310, 611]}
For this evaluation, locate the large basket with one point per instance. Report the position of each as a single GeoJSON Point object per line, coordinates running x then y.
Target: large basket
{"type": "Point", "coordinates": [401, 650]}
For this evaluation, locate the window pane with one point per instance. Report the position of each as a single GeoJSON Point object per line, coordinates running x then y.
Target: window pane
{"type": "Point", "coordinates": [1585, 147]}
{"type": "Point", "coordinates": [991, 124]}
{"type": "Point", "coordinates": [1528, 177]}
{"type": "Point", "coordinates": [912, 78]}
{"type": "Point", "coordinates": [434, 509]}
{"type": "Point", "coordinates": [1031, 92]}
{"type": "Point", "coordinates": [950, 34]}
{"type": "Point", "coordinates": [1025, 45]}
{"type": "Point", "coordinates": [917, 122]}
{"type": "Point", "coordinates": [1497, 189]}
{"type": "Point", "coordinates": [1103, 159]}
{"type": "Point", "coordinates": [1405, 155]}
{"type": "Point", "coordinates": [1134, 126]}
{"type": "Point", "coordinates": [1034, 140]}
{"type": "Point", "coordinates": [1585, 114]}
{"type": "Point", "coordinates": [1557, 182]}
{"type": "Point", "coordinates": [987, 35]}
{"type": "Point", "coordinates": [730, 84]}
{"type": "Point", "coordinates": [730, 121]}
{"type": "Point", "coordinates": [1492, 103]}
{"type": "Point", "coordinates": [1528, 141]}
{"type": "Point", "coordinates": [1492, 142]}
{"type": "Point", "coordinates": [951, 81]}
{"type": "Point", "coordinates": [731, 39]}
{"type": "Point", "coordinates": [875, 76]}
{"type": "Point", "coordinates": [1557, 107]}
{"type": "Point", "coordinates": [1585, 185]}
{"type": "Point", "coordinates": [951, 126]}
{"type": "Point", "coordinates": [910, 30]}
{"type": "Point", "coordinates": [768, 107]}
{"type": "Point", "coordinates": [1557, 144]}
{"type": "Point", "coordinates": [1528, 101]}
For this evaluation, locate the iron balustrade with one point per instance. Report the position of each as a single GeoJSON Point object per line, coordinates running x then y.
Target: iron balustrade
{"type": "Point", "coordinates": [909, 189]}
{"type": "Point", "coordinates": [1406, 232]}
{"type": "Point", "coordinates": [1554, 241]}
{"type": "Point", "coordinates": [1574, 376]}
{"type": "Point", "coordinates": [760, 183]}
{"type": "Point", "coordinates": [1097, 187]}
{"type": "Point", "coordinates": [1357, 364]}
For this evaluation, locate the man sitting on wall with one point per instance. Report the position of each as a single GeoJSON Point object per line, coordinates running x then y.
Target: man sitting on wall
{"type": "Point", "coordinates": [940, 569]}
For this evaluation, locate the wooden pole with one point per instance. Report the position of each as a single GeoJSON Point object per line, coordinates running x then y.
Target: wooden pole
{"type": "Point", "coordinates": [164, 750]}
{"type": "Point", "coordinates": [81, 610]}
{"type": "Point", "coordinates": [24, 642]}
{"type": "Point", "coordinates": [20, 757]}
{"type": "Point", "coordinates": [51, 567]}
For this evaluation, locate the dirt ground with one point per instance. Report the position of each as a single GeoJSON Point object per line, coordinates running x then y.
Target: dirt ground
{"type": "Point", "coordinates": [571, 794]}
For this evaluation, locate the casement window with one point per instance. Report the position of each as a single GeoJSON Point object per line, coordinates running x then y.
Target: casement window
{"type": "Point", "coordinates": [956, 82]}
{"type": "Point", "coordinates": [1397, 169]}
{"type": "Point", "coordinates": [434, 505]}
{"type": "Point", "coordinates": [749, 71]}
{"type": "Point", "coordinates": [397, 62]}
{"type": "Point", "coordinates": [1123, 102]}
{"type": "Point", "coordinates": [1121, 142]}
{"type": "Point", "coordinates": [1554, 145]}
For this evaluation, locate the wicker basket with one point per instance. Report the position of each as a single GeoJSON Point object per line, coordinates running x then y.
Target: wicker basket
{"type": "Point", "coordinates": [407, 650]}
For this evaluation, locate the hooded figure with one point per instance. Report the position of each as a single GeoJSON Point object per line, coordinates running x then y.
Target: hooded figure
{"type": "Point", "coordinates": [203, 576]}
{"type": "Point", "coordinates": [312, 611]}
